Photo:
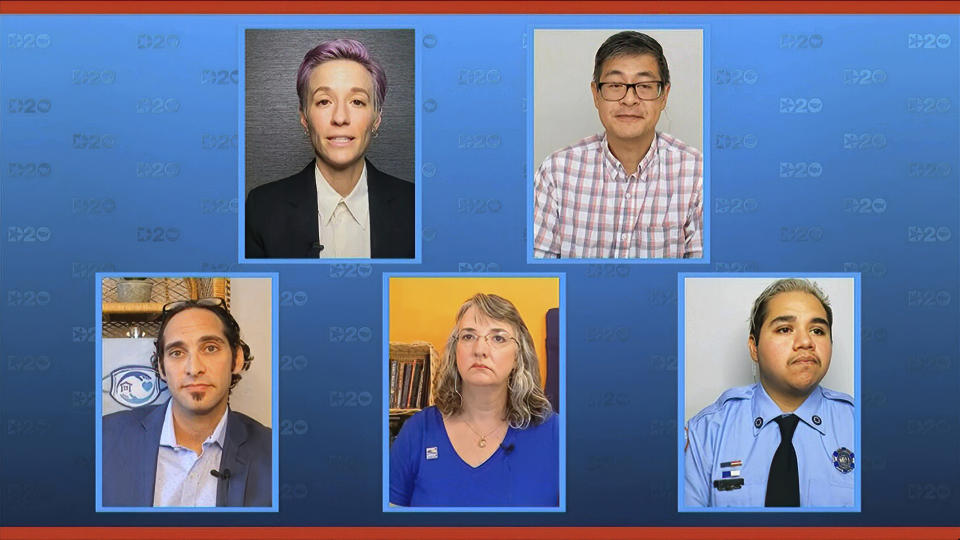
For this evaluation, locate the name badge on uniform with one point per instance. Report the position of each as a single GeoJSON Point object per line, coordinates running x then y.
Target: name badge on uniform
{"type": "Point", "coordinates": [432, 452]}
{"type": "Point", "coordinates": [728, 484]}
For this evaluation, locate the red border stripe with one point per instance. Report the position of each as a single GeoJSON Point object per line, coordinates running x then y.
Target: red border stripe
{"type": "Point", "coordinates": [484, 533]}
{"type": "Point", "coordinates": [477, 6]}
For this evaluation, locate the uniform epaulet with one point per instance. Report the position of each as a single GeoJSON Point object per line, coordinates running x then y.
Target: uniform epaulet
{"type": "Point", "coordinates": [736, 393]}
{"type": "Point", "coordinates": [836, 396]}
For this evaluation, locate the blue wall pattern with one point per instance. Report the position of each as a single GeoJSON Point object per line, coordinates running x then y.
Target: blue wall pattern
{"type": "Point", "coordinates": [833, 144]}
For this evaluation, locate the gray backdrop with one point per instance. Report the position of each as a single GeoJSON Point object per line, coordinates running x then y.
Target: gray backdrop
{"type": "Point", "coordinates": [563, 111]}
{"type": "Point", "coordinates": [716, 328]}
{"type": "Point", "coordinates": [275, 144]}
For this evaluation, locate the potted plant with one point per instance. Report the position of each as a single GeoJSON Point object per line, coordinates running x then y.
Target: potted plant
{"type": "Point", "coordinates": [134, 289]}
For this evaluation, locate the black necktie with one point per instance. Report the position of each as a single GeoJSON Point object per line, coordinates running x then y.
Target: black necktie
{"type": "Point", "coordinates": [783, 484]}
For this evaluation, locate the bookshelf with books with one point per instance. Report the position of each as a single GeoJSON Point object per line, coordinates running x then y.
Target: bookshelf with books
{"type": "Point", "coordinates": [412, 367]}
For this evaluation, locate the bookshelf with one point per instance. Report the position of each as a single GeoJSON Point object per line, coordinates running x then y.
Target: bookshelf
{"type": "Point", "coordinates": [412, 368]}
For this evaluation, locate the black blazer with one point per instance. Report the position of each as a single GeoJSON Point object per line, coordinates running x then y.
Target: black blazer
{"type": "Point", "coordinates": [130, 443]}
{"type": "Point", "coordinates": [281, 217]}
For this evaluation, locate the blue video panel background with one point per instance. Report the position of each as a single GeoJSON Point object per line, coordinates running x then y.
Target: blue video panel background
{"type": "Point", "coordinates": [834, 148]}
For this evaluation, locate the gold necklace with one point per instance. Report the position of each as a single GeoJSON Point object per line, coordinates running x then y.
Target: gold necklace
{"type": "Point", "coordinates": [482, 443]}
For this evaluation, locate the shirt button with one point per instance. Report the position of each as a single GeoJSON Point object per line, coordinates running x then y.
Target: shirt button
{"type": "Point", "coordinates": [817, 420]}
{"type": "Point", "coordinates": [627, 196]}
{"type": "Point", "coordinates": [624, 237]}
{"type": "Point", "coordinates": [757, 422]}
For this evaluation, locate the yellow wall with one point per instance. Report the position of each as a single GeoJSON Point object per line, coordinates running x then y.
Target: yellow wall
{"type": "Point", "coordinates": [425, 309]}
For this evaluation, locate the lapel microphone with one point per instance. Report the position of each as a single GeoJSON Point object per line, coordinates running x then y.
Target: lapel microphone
{"type": "Point", "coordinates": [222, 475]}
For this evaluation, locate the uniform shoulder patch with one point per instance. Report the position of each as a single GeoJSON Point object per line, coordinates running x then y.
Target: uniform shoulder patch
{"type": "Point", "coordinates": [837, 396]}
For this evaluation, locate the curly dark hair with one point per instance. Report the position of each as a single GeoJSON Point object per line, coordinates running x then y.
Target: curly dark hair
{"type": "Point", "coordinates": [231, 330]}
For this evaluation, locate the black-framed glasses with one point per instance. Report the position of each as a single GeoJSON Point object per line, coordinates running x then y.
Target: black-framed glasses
{"type": "Point", "coordinates": [645, 90]}
{"type": "Point", "coordinates": [496, 340]}
{"type": "Point", "coordinates": [213, 301]}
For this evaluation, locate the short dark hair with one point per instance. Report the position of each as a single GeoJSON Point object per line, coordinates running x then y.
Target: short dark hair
{"type": "Point", "coordinates": [630, 43]}
{"type": "Point", "coordinates": [231, 330]}
{"type": "Point", "coordinates": [759, 312]}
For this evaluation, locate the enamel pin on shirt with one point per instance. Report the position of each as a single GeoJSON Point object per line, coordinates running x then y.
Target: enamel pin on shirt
{"type": "Point", "coordinates": [432, 452]}
{"type": "Point", "coordinates": [731, 478]}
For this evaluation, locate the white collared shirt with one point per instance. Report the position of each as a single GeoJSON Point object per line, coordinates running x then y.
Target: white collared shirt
{"type": "Point", "coordinates": [344, 221]}
{"type": "Point", "coordinates": [183, 477]}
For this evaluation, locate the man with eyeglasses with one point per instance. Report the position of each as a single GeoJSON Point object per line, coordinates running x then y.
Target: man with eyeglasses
{"type": "Point", "coordinates": [194, 450]}
{"type": "Point", "coordinates": [630, 192]}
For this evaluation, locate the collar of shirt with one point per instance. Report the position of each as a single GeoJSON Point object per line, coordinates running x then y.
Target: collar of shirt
{"type": "Point", "coordinates": [765, 408]}
{"type": "Point", "coordinates": [357, 202]}
{"type": "Point", "coordinates": [613, 164]}
{"type": "Point", "coordinates": [168, 436]}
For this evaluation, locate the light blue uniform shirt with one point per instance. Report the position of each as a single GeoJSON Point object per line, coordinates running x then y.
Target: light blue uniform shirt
{"type": "Point", "coordinates": [183, 477]}
{"type": "Point", "coordinates": [741, 426]}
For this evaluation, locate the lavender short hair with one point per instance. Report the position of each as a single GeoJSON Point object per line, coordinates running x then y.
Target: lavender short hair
{"type": "Point", "coordinates": [341, 49]}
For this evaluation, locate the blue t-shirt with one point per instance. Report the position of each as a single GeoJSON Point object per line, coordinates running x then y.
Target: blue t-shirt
{"type": "Point", "coordinates": [425, 470]}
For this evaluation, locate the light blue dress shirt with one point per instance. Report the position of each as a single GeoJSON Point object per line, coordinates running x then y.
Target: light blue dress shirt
{"type": "Point", "coordinates": [741, 427]}
{"type": "Point", "coordinates": [183, 477]}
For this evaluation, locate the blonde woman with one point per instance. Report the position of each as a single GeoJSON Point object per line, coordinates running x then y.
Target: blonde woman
{"type": "Point", "coordinates": [492, 437]}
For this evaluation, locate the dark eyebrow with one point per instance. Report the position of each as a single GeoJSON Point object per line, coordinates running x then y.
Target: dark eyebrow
{"type": "Point", "coordinates": [641, 74]}
{"type": "Point", "coordinates": [793, 318]}
{"type": "Point", "coordinates": [783, 318]}
{"type": "Point", "coordinates": [202, 339]}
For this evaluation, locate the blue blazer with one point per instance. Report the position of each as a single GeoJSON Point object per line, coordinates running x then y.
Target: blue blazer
{"type": "Point", "coordinates": [131, 441]}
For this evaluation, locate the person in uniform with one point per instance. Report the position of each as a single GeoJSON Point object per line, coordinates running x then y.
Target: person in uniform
{"type": "Point", "coordinates": [785, 441]}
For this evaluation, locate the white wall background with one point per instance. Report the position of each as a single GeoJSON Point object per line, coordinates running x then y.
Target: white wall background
{"type": "Point", "coordinates": [563, 111]}
{"type": "Point", "coordinates": [251, 305]}
{"type": "Point", "coordinates": [716, 328]}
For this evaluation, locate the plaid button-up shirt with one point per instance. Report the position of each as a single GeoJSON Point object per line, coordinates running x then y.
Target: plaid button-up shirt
{"type": "Point", "coordinates": [587, 206]}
